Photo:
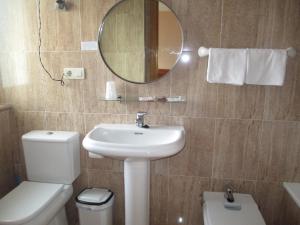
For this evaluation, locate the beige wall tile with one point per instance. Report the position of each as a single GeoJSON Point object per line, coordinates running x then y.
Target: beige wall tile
{"type": "Point", "coordinates": [269, 199]}
{"type": "Point", "coordinates": [245, 102]}
{"type": "Point", "coordinates": [282, 103]}
{"type": "Point", "coordinates": [201, 96]}
{"type": "Point", "coordinates": [22, 82]}
{"type": "Point", "coordinates": [290, 209]}
{"type": "Point", "coordinates": [235, 149]}
{"type": "Point", "coordinates": [91, 120]}
{"type": "Point", "coordinates": [6, 153]}
{"type": "Point", "coordinates": [196, 158]}
{"type": "Point", "coordinates": [92, 13]}
{"type": "Point", "coordinates": [113, 181]}
{"type": "Point", "coordinates": [20, 171]}
{"type": "Point", "coordinates": [157, 88]}
{"type": "Point", "coordinates": [20, 33]}
{"type": "Point", "coordinates": [95, 84]}
{"type": "Point", "coordinates": [240, 23]}
{"type": "Point", "coordinates": [60, 29]}
{"type": "Point", "coordinates": [202, 29]}
{"type": "Point", "coordinates": [159, 200]}
{"type": "Point", "coordinates": [30, 24]}
{"type": "Point", "coordinates": [68, 98]}
{"type": "Point", "coordinates": [239, 186]}
{"type": "Point", "coordinates": [220, 185]}
{"type": "Point", "coordinates": [79, 184]}
{"type": "Point", "coordinates": [35, 83]}
{"type": "Point", "coordinates": [179, 87]}
{"type": "Point", "coordinates": [7, 182]}
{"type": "Point", "coordinates": [279, 160]}
{"type": "Point", "coordinates": [284, 16]}
{"type": "Point", "coordinates": [185, 195]}
{"type": "Point", "coordinates": [28, 121]}
{"type": "Point", "coordinates": [65, 121]}
{"type": "Point", "coordinates": [7, 175]}
{"type": "Point", "coordinates": [297, 99]}
{"type": "Point", "coordinates": [251, 150]}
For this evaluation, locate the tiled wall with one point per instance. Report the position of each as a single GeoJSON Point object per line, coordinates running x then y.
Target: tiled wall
{"type": "Point", "coordinates": [7, 149]}
{"type": "Point", "coordinates": [290, 214]}
{"type": "Point", "coordinates": [247, 136]}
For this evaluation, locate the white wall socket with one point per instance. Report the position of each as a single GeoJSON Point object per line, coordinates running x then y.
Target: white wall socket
{"type": "Point", "coordinates": [73, 73]}
{"type": "Point", "coordinates": [89, 46]}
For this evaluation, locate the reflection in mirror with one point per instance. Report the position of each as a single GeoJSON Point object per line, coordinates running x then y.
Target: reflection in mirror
{"type": "Point", "coordinates": [140, 40]}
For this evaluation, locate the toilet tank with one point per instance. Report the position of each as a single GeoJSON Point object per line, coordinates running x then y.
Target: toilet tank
{"type": "Point", "coordinates": [52, 156]}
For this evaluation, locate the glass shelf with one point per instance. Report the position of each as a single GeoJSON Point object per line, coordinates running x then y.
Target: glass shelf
{"type": "Point", "coordinates": [169, 99]}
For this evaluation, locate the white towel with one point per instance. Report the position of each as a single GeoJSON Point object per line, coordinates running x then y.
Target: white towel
{"type": "Point", "coordinates": [227, 66]}
{"type": "Point", "coordinates": [266, 67]}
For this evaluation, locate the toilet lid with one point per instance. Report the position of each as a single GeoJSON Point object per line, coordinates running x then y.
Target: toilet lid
{"type": "Point", "coordinates": [216, 214]}
{"type": "Point", "coordinates": [26, 201]}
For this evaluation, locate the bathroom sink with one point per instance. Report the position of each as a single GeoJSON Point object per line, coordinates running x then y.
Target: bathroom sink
{"type": "Point", "coordinates": [136, 146]}
{"type": "Point", "coordinates": [125, 141]}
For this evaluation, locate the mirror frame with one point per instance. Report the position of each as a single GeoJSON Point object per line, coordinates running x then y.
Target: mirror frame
{"type": "Point", "coordinates": [100, 30]}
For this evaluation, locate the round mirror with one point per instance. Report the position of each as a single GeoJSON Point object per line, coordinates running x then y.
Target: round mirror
{"type": "Point", "coordinates": [140, 40]}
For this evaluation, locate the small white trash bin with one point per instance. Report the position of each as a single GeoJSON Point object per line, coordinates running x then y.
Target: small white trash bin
{"type": "Point", "coordinates": [95, 206]}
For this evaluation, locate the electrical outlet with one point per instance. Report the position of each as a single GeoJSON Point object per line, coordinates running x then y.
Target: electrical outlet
{"type": "Point", "coordinates": [89, 46]}
{"type": "Point", "coordinates": [73, 73]}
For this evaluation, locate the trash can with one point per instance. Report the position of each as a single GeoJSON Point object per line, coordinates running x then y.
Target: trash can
{"type": "Point", "coordinates": [95, 206]}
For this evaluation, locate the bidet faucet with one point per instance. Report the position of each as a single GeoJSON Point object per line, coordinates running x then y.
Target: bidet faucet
{"type": "Point", "coordinates": [140, 120]}
{"type": "Point", "coordinates": [229, 194]}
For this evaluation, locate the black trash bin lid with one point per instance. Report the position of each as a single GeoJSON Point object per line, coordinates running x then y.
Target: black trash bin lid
{"type": "Point", "coordinates": [94, 196]}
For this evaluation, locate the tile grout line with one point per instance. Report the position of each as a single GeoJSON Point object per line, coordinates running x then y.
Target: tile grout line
{"type": "Point", "coordinates": [259, 149]}
{"type": "Point", "coordinates": [159, 115]}
{"type": "Point", "coordinates": [81, 57]}
{"type": "Point", "coordinates": [245, 148]}
{"type": "Point", "coordinates": [213, 153]}
{"type": "Point", "coordinates": [221, 25]}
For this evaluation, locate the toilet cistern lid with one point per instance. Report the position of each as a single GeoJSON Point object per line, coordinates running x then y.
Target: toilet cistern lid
{"type": "Point", "coordinates": [26, 201]}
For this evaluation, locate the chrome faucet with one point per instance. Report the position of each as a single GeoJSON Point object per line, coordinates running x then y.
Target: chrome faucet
{"type": "Point", "coordinates": [229, 194]}
{"type": "Point", "coordinates": [140, 120]}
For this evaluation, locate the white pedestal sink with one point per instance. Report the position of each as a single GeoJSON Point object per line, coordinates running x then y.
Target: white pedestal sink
{"type": "Point", "coordinates": [136, 146]}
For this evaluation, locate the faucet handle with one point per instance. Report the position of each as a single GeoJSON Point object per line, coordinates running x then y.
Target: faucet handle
{"type": "Point", "coordinates": [141, 114]}
{"type": "Point", "coordinates": [229, 194]}
{"type": "Point", "coordinates": [140, 119]}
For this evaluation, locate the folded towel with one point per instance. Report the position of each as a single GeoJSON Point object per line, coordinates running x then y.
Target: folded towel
{"type": "Point", "coordinates": [266, 67]}
{"type": "Point", "coordinates": [227, 66]}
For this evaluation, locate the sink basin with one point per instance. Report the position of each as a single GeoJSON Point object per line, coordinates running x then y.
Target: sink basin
{"type": "Point", "coordinates": [136, 146]}
{"type": "Point", "coordinates": [124, 141]}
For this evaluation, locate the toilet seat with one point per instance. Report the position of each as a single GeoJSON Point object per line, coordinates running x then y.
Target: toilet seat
{"type": "Point", "coordinates": [215, 213]}
{"type": "Point", "coordinates": [27, 201]}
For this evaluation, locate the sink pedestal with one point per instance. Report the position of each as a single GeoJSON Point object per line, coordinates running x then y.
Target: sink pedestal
{"type": "Point", "coordinates": [136, 146]}
{"type": "Point", "coordinates": [137, 191]}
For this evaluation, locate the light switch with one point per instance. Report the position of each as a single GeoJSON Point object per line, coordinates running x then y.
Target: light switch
{"type": "Point", "coordinates": [73, 73]}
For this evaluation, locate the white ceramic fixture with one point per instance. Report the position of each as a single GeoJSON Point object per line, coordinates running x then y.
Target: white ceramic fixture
{"type": "Point", "coordinates": [136, 146]}
{"type": "Point", "coordinates": [215, 212]}
{"type": "Point", "coordinates": [52, 164]}
{"type": "Point", "coordinates": [294, 191]}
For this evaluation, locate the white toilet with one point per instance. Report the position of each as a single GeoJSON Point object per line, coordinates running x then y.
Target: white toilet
{"type": "Point", "coordinates": [52, 164]}
{"type": "Point", "coordinates": [214, 212]}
